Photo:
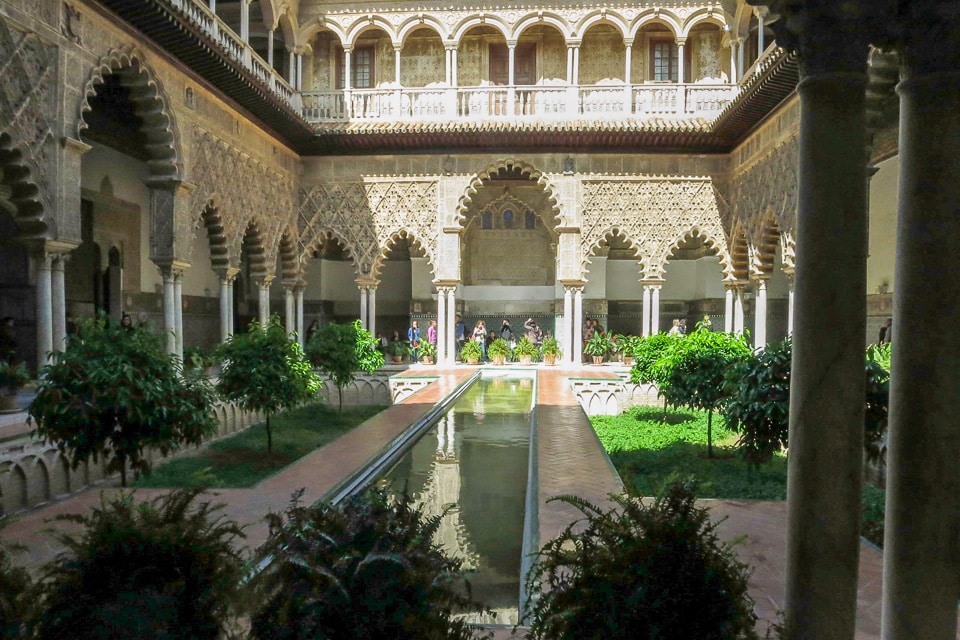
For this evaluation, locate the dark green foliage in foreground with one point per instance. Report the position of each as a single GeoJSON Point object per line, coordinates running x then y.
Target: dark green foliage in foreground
{"type": "Point", "coordinates": [340, 350]}
{"type": "Point", "coordinates": [16, 599]}
{"type": "Point", "coordinates": [239, 460]}
{"type": "Point", "coordinates": [759, 401]}
{"type": "Point", "coordinates": [647, 352]}
{"type": "Point", "coordinates": [649, 453]}
{"type": "Point", "coordinates": [265, 370]}
{"type": "Point", "coordinates": [365, 569]}
{"type": "Point", "coordinates": [114, 392]}
{"type": "Point", "coordinates": [638, 570]}
{"type": "Point", "coordinates": [167, 568]}
{"type": "Point", "coordinates": [872, 510]}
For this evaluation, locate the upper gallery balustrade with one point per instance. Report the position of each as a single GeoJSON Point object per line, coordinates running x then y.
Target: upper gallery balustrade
{"type": "Point", "coordinates": [678, 61]}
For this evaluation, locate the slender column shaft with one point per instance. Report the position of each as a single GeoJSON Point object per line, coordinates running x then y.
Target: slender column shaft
{"type": "Point", "coordinates": [760, 317]}
{"type": "Point", "coordinates": [740, 55]}
{"type": "Point", "coordinates": [738, 321]}
{"type": "Point", "coordinates": [451, 325]}
{"type": "Point", "coordinates": [289, 310]}
{"type": "Point", "coordinates": [442, 326]}
{"type": "Point", "coordinates": [576, 65]}
{"type": "Point", "coordinates": [59, 302]}
{"type": "Point", "coordinates": [790, 290]}
{"type": "Point", "coordinates": [270, 47]}
{"type": "Point", "coordinates": [570, 65]}
{"type": "Point", "coordinates": [577, 327]}
{"type": "Point", "coordinates": [292, 70]}
{"type": "Point", "coordinates": [230, 289]}
{"type": "Point", "coordinates": [245, 20]}
{"type": "Point", "coordinates": [178, 310]}
{"type": "Point", "coordinates": [372, 311]}
{"type": "Point", "coordinates": [226, 312]}
{"type": "Point", "coordinates": [299, 84]}
{"type": "Point", "coordinates": [566, 337]}
{"type": "Point", "coordinates": [264, 303]}
{"type": "Point", "coordinates": [347, 68]}
{"type": "Point", "coordinates": [511, 51]}
{"type": "Point", "coordinates": [455, 77]}
{"type": "Point", "coordinates": [169, 312]}
{"type": "Point", "coordinates": [363, 307]}
{"type": "Point", "coordinates": [733, 61]}
{"type": "Point", "coordinates": [761, 44]}
{"type": "Point", "coordinates": [826, 429]}
{"type": "Point", "coordinates": [728, 310]}
{"type": "Point", "coordinates": [298, 293]}
{"type": "Point", "coordinates": [628, 71]}
{"type": "Point", "coordinates": [655, 309]}
{"type": "Point", "coordinates": [921, 569]}
{"type": "Point", "coordinates": [44, 308]}
{"type": "Point", "coordinates": [681, 63]}
{"type": "Point", "coordinates": [396, 64]}
{"type": "Point", "coordinates": [646, 311]}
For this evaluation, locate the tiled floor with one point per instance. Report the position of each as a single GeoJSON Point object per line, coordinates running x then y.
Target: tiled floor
{"type": "Point", "coordinates": [570, 461]}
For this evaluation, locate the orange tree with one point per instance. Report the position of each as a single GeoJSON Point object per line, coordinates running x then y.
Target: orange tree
{"type": "Point", "coordinates": [265, 370]}
{"type": "Point", "coordinates": [113, 392]}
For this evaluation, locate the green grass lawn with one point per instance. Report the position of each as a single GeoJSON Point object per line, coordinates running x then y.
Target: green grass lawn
{"type": "Point", "coordinates": [649, 453]}
{"type": "Point", "coordinates": [241, 460]}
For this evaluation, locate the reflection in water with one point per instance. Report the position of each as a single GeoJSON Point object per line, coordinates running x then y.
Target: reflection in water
{"type": "Point", "coordinates": [474, 463]}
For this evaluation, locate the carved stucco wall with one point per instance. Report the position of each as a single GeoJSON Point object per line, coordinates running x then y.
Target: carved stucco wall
{"type": "Point", "coordinates": [654, 214]}
{"type": "Point", "coordinates": [422, 61]}
{"type": "Point", "coordinates": [241, 189]}
{"type": "Point", "coordinates": [28, 125]}
{"type": "Point", "coordinates": [365, 216]}
{"type": "Point", "coordinates": [602, 55]}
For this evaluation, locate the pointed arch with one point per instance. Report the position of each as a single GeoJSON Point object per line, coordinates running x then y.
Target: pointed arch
{"type": "Point", "coordinates": [20, 173]}
{"type": "Point", "coordinates": [476, 182]}
{"type": "Point", "coordinates": [288, 252]}
{"type": "Point", "coordinates": [612, 233]}
{"type": "Point", "coordinates": [254, 246]}
{"type": "Point", "coordinates": [320, 237]}
{"type": "Point", "coordinates": [150, 104]}
{"type": "Point", "coordinates": [765, 246]}
{"type": "Point", "coordinates": [392, 238]}
{"type": "Point", "coordinates": [212, 221]}
{"type": "Point", "coordinates": [739, 255]}
{"type": "Point", "coordinates": [718, 244]}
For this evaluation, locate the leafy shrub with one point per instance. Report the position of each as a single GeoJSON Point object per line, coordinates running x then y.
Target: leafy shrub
{"type": "Point", "coordinates": [341, 350]}
{"type": "Point", "coordinates": [525, 347]}
{"type": "Point", "coordinates": [113, 392]}
{"type": "Point", "coordinates": [551, 347]}
{"type": "Point", "coordinates": [16, 599]}
{"type": "Point", "coordinates": [872, 510]}
{"type": "Point", "coordinates": [881, 354]}
{"type": "Point", "coordinates": [13, 376]}
{"type": "Point", "coordinates": [647, 352]}
{"type": "Point", "coordinates": [159, 569]}
{"type": "Point", "coordinates": [498, 347]}
{"type": "Point", "coordinates": [639, 571]}
{"type": "Point", "coordinates": [427, 349]}
{"type": "Point", "coordinates": [876, 410]}
{"type": "Point", "coordinates": [264, 370]}
{"type": "Point", "coordinates": [365, 569]}
{"type": "Point", "coordinates": [759, 402]}
{"type": "Point", "coordinates": [598, 345]}
{"type": "Point", "coordinates": [471, 351]}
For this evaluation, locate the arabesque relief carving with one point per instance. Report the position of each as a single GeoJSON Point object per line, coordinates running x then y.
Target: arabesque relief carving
{"type": "Point", "coordinates": [654, 214]}
{"type": "Point", "coordinates": [768, 188]}
{"type": "Point", "coordinates": [365, 216]}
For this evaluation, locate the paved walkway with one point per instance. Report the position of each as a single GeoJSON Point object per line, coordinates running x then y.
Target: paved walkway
{"type": "Point", "coordinates": [570, 462]}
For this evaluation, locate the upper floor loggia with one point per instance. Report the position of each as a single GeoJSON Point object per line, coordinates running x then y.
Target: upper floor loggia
{"type": "Point", "coordinates": [381, 62]}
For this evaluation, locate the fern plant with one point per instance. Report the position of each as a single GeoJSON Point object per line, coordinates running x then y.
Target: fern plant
{"type": "Point", "coordinates": [639, 571]}
{"type": "Point", "coordinates": [367, 568]}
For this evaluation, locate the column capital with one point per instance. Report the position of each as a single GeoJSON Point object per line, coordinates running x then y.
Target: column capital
{"type": "Point", "coordinates": [828, 37]}
{"type": "Point", "coordinates": [263, 282]}
{"type": "Point", "coordinates": [681, 41]}
{"type": "Point", "coordinates": [653, 283]}
{"type": "Point", "coordinates": [573, 284]}
{"type": "Point", "coordinates": [573, 44]}
{"type": "Point", "coordinates": [228, 273]}
{"type": "Point", "coordinates": [171, 267]}
{"type": "Point", "coordinates": [927, 37]}
{"type": "Point", "coordinates": [367, 283]}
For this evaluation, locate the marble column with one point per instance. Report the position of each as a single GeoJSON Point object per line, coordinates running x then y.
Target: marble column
{"type": "Point", "coordinates": [681, 63]}
{"type": "Point", "coordinates": [442, 326]}
{"type": "Point", "coordinates": [270, 37]}
{"type": "Point", "coordinates": [738, 321]}
{"type": "Point", "coordinates": [169, 310]}
{"type": "Point", "coordinates": [760, 315]}
{"type": "Point", "coordinates": [790, 288]}
{"type": "Point", "coordinates": [827, 380]}
{"type": "Point", "coordinates": [226, 309]}
{"type": "Point", "coordinates": [231, 287]}
{"type": "Point", "coordinates": [245, 20]}
{"type": "Point", "coordinates": [289, 309]}
{"type": "Point", "coordinates": [921, 559]}
{"type": "Point", "coordinates": [577, 326]}
{"type": "Point", "coordinates": [44, 265]}
{"type": "Point", "coordinates": [363, 307]}
{"type": "Point", "coordinates": [263, 306]}
{"type": "Point", "coordinates": [298, 295]}
{"type": "Point", "coordinates": [372, 310]}
{"type": "Point", "coordinates": [729, 295]}
{"type": "Point", "coordinates": [452, 324]}
{"type": "Point", "coordinates": [566, 344]}
{"type": "Point", "coordinates": [59, 302]}
{"type": "Point", "coordinates": [647, 301]}
{"type": "Point", "coordinates": [655, 308]}
{"type": "Point", "coordinates": [178, 311]}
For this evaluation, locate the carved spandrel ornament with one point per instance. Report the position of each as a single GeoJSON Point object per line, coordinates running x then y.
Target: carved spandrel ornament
{"type": "Point", "coordinates": [70, 23]}
{"type": "Point", "coordinates": [769, 187]}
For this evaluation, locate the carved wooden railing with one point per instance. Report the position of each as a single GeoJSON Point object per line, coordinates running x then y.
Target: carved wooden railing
{"type": "Point", "coordinates": [554, 102]}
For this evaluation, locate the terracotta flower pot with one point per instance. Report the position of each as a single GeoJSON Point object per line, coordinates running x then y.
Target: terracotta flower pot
{"type": "Point", "coordinates": [549, 359]}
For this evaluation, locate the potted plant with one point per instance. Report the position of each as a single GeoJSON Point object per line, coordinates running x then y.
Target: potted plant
{"type": "Point", "coordinates": [471, 352]}
{"type": "Point", "coordinates": [427, 352]}
{"type": "Point", "coordinates": [201, 360]}
{"type": "Point", "coordinates": [628, 345]}
{"type": "Point", "coordinates": [12, 378]}
{"type": "Point", "coordinates": [498, 351]}
{"type": "Point", "coordinates": [525, 350]}
{"type": "Point", "coordinates": [550, 351]}
{"type": "Point", "coordinates": [597, 347]}
{"type": "Point", "coordinates": [396, 349]}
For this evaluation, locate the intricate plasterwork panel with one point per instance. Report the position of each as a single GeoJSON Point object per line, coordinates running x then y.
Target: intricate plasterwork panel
{"type": "Point", "coordinates": [768, 189]}
{"type": "Point", "coordinates": [240, 188]}
{"type": "Point", "coordinates": [654, 215]}
{"type": "Point", "coordinates": [28, 68]}
{"type": "Point", "coordinates": [366, 216]}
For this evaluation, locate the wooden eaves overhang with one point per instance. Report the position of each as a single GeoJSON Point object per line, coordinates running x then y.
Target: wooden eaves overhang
{"type": "Point", "coordinates": [773, 81]}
